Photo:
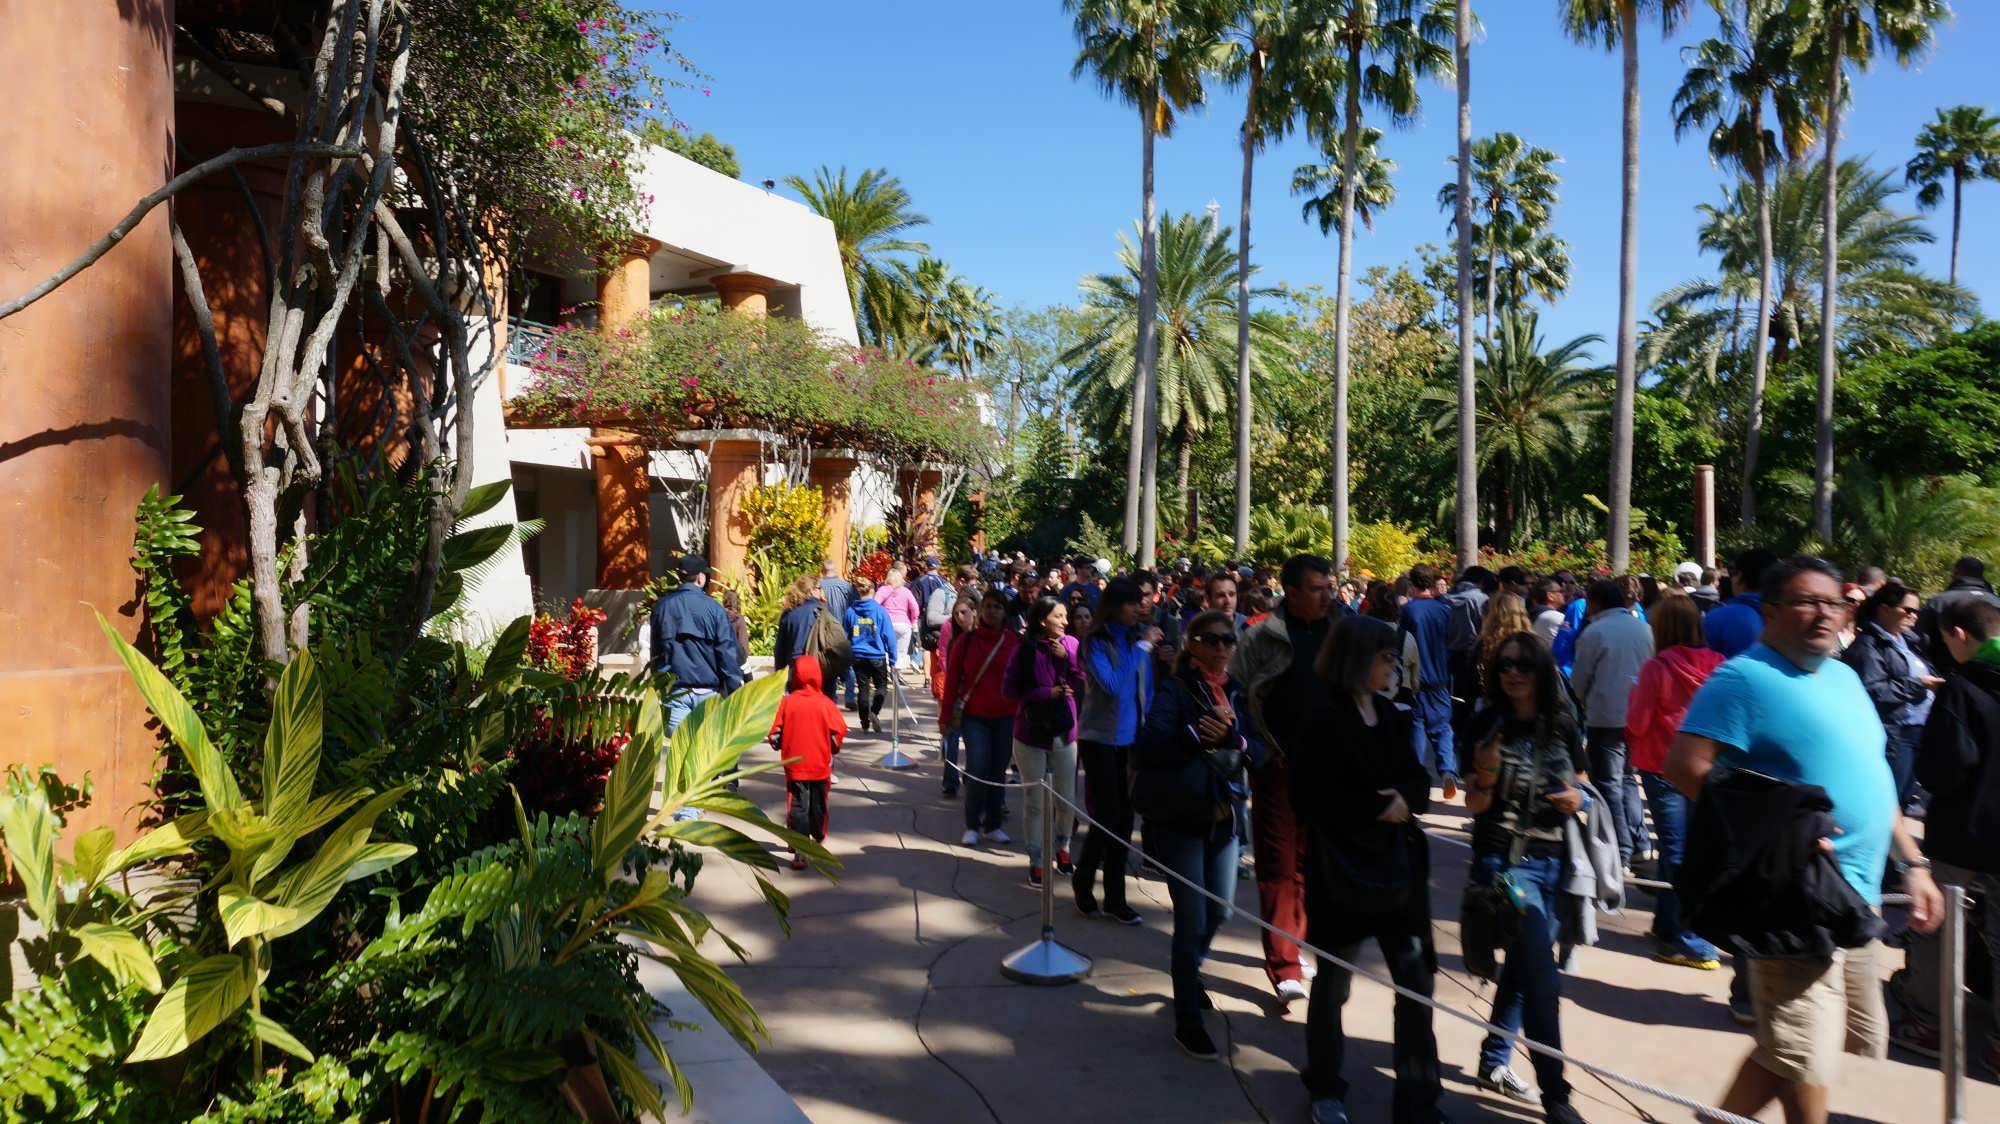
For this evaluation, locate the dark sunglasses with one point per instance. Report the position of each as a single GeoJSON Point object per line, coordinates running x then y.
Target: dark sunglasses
{"type": "Point", "coordinates": [1219, 639]}
{"type": "Point", "coordinates": [1515, 664]}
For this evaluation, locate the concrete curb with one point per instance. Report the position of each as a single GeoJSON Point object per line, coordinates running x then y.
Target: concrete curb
{"type": "Point", "coordinates": [729, 1086]}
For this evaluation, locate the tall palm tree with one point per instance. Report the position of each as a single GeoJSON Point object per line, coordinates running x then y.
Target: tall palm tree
{"type": "Point", "coordinates": [1537, 264]}
{"type": "Point", "coordinates": [1962, 145]}
{"type": "Point", "coordinates": [872, 219]}
{"type": "Point", "coordinates": [1513, 184]}
{"type": "Point", "coordinates": [1534, 408]}
{"type": "Point", "coordinates": [1884, 302]}
{"type": "Point", "coordinates": [1261, 43]}
{"type": "Point", "coordinates": [1468, 422]}
{"type": "Point", "coordinates": [1197, 313]}
{"type": "Point", "coordinates": [1152, 54]}
{"type": "Point", "coordinates": [1845, 33]}
{"type": "Point", "coordinates": [1615, 23]}
{"type": "Point", "coordinates": [1375, 191]}
{"type": "Point", "coordinates": [1377, 51]}
{"type": "Point", "coordinates": [1751, 61]}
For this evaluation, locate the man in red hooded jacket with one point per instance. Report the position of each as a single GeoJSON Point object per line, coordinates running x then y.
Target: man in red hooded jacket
{"type": "Point", "coordinates": [807, 732]}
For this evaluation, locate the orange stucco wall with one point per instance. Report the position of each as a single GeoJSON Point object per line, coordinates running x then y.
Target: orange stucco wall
{"type": "Point", "coordinates": [86, 427]}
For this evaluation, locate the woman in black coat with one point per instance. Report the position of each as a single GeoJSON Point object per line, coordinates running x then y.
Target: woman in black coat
{"type": "Point", "coordinates": [1898, 679]}
{"type": "Point", "coordinates": [1357, 788]}
{"type": "Point", "coordinates": [801, 607]}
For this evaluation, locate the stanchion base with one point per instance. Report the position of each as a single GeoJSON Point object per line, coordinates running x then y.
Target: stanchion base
{"type": "Point", "coordinates": [1047, 961]}
{"type": "Point", "coordinates": [896, 759]}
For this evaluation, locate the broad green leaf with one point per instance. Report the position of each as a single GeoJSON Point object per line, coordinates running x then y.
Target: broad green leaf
{"type": "Point", "coordinates": [164, 841]}
{"type": "Point", "coordinates": [638, 1088]}
{"type": "Point", "coordinates": [269, 1032]}
{"type": "Point", "coordinates": [376, 858]}
{"type": "Point", "coordinates": [309, 886]}
{"type": "Point", "coordinates": [628, 791]}
{"type": "Point", "coordinates": [721, 837]}
{"type": "Point", "coordinates": [121, 952]}
{"type": "Point", "coordinates": [446, 593]}
{"type": "Point", "coordinates": [246, 915]}
{"type": "Point", "coordinates": [480, 500]}
{"type": "Point", "coordinates": [467, 549]}
{"type": "Point", "coordinates": [30, 829]}
{"type": "Point", "coordinates": [716, 734]}
{"type": "Point", "coordinates": [91, 850]}
{"type": "Point", "coordinates": [218, 787]}
{"type": "Point", "coordinates": [292, 742]}
{"type": "Point", "coordinates": [507, 652]}
{"type": "Point", "coordinates": [319, 812]}
{"type": "Point", "coordinates": [207, 993]}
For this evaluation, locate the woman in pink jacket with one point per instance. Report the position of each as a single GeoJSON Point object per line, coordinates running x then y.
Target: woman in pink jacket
{"type": "Point", "coordinates": [1681, 663]}
{"type": "Point", "coordinates": [903, 611]}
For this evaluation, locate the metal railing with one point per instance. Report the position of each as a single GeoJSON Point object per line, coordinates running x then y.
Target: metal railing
{"type": "Point", "coordinates": [527, 339]}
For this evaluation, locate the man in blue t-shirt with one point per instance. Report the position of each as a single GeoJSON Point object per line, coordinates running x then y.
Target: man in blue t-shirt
{"type": "Point", "coordinates": [1785, 708]}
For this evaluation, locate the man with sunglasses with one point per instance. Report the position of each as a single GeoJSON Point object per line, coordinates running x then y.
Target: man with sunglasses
{"type": "Point", "coordinates": [1274, 664]}
{"type": "Point", "coordinates": [1786, 709]}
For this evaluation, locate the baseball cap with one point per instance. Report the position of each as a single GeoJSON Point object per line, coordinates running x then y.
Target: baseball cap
{"type": "Point", "coordinates": [1687, 570]}
{"type": "Point", "coordinates": [930, 559]}
{"type": "Point", "coordinates": [1102, 566]}
{"type": "Point", "coordinates": [692, 564]}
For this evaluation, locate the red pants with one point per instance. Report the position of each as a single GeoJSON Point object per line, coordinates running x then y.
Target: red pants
{"type": "Point", "coordinates": [1280, 849]}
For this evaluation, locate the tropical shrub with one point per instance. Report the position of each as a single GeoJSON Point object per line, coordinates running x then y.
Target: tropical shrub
{"type": "Point", "coordinates": [788, 531]}
{"type": "Point", "coordinates": [1283, 530]}
{"type": "Point", "coordinates": [1383, 548]}
{"type": "Point", "coordinates": [874, 567]}
{"type": "Point", "coordinates": [566, 647]}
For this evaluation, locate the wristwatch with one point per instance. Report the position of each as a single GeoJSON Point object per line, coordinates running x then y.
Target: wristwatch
{"type": "Point", "coordinates": [1903, 866]}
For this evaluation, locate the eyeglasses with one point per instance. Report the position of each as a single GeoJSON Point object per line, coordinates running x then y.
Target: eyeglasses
{"type": "Point", "coordinates": [1819, 606]}
{"type": "Point", "coordinates": [1907, 610]}
{"type": "Point", "coordinates": [1515, 665]}
{"type": "Point", "coordinates": [1217, 639]}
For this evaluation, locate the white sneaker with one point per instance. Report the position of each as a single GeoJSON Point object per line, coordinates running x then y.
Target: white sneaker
{"type": "Point", "coordinates": [1290, 990]}
{"type": "Point", "coordinates": [970, 839]}
{"type": "Point", "coordinates": [1309, 968]}
{"type": "Point", "coordinates": [999, 835]}
{"type": "Point", "coordinates": [1505, 1081]}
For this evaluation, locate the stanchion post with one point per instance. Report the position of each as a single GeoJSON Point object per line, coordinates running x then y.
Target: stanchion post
{"type": "Point", "coordinates": [1951, 1005]}
{"type": "Point", "coordinates": [895, 758]}
{"type": "Point", "coordinates": [1047, 960]}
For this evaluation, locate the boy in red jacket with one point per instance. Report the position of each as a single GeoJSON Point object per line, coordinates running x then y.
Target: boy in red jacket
{"type": "Point", "coordinates": [807, 733]}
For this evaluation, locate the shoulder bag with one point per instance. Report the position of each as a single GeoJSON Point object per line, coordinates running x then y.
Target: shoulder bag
{"type": "Point", "coordinates": [1489, 913]}
{"type": "Point", "coordinates": [969, 685]}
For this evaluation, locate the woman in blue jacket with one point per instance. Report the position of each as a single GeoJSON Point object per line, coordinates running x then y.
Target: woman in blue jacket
{"type": "Point", "coordinates": [1118, 681]}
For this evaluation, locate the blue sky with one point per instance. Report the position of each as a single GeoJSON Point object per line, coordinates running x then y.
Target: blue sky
{"type": "Point", "coordinates": [1028, 175]}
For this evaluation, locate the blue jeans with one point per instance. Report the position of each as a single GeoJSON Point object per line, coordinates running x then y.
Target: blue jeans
{"type": "Point", "coordinates": [1530, 987]}
{"type": "Point", "coordinates": [1207, 859]}
{"type": "Point", "coordinates": [950, 751]}
{"type": "Point", "coordinates": [1670, 812]}
{"type": "Point", "coordinates": [682, 702]}
{"type": "Point", "coordinates": [989, 746]}
{"type": "Point", "coordinates": [1432, 724]}
{"type": "Point", "coordinates": [1903, 759]}
{"type": "Point", "coordinates": [1608, 764]}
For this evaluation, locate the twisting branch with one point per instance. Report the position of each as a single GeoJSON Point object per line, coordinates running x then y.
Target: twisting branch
{"type": "Point", "coordinates": [166, 191]}
{"type": "Point", "coordinates": [204, 322]}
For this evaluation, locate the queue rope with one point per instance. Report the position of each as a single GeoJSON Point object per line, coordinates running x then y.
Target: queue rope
{"type": "Point", "coordinates": [1705, 1112]}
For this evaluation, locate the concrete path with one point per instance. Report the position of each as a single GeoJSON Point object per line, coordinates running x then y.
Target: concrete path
{"type": "Point", "coordinates": [886, 1003]}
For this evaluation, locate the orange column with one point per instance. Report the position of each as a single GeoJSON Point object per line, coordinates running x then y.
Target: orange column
{"type": "Point", "coordinates": [977, 501]}
{"type": "Point", "coordinates": [923, 481]}
{"type": "Point", "coordinates": [735, 465]}
{"type": "Point", "coordinates": [86, 372]}
{"type": "Point", "coordinates": [618, 460]}
{"type": "Point", "coordinates": [747, 293]}
{"type": "Point", "coordinates": [833, 474]}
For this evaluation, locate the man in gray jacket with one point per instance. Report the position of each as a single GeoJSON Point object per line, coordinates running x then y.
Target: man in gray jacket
{"type": "Point", "coordinates": [1609, 653]}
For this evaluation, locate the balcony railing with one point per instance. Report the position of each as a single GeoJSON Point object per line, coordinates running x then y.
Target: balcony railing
{"type": "Point", "coordinates": [527, 339]}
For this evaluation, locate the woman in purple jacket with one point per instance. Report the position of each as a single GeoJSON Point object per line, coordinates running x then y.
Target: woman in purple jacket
{"type": "Point", "coordinates": [1046, 679]}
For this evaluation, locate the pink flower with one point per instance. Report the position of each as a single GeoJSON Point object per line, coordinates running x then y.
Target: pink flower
{"type": "Point", "coordinates": [705, 91]}
{"type": "Point", "coordinates": [691, 382]}
{"type": "Point", "coordinates": [576, 193]}
{"type": "Point", "coordinates": [561, 141]}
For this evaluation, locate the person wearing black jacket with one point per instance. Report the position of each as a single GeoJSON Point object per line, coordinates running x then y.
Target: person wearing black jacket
{"type": "Point", "coordinates": [1955, 761]}
{"type": "Point", "coordinates": [1898, 679]}
{"type": "Point", "coordinates": [1968, 582]}
{"type": "Point", "coordinates": [801, 607]}
{"type": "Point", "coordinates": [1356, 791]}
{"type": "Point", "coordinates": [1189, 762]}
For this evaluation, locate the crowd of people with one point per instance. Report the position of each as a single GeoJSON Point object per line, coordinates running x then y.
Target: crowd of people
{"type": "Point", "coordinates": [1759, 740]}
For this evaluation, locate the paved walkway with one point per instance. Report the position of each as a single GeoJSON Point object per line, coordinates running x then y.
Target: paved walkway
{"type": "Point", "coordinates": [886, 1004]}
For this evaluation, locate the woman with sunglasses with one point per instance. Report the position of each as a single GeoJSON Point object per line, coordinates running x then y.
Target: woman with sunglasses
{"type": "Point", "coordinates": [1899, 680]}
{"type": "Point", "coordinates": [1190, 772]}
{"type": "Point", "coordinates": [1522, 789]}
{"type": "Point", "coordinates": [1358, 789]}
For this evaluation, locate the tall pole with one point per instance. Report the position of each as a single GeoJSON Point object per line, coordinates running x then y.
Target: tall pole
{"type": "Point", "coordinates": [1468, 422]}
{"type": "Point", "coordinates": [1149, 280]}
{"type": "Point", "coordinates": [1619, 534]}
{"type": "Point", "coordinates": [1243, 403]}
{"type": "Point", "coordinates": [1951, 1006]}
{"type": "Point", "coordinates": [1704, 515]}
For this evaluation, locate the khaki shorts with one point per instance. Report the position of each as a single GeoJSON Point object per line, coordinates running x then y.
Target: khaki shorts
{"type": "Point", "coordinates": [1811, 1011]}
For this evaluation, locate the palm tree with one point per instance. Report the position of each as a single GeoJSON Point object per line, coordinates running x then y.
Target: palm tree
{"type": "Point", "coordinates": [1513, 184]}
{"type": "Point", "coordinates": [1197, 313]}
{"type": "Point", "coordinates": [1884, 302]}
{"type": "Point", "coordinates": [1377, 50]}
{"type": "Point", "coordinates": [1152, 54]}
{"type": "Point", "coordinates": [1750, 62]}
{"type": "Point", "coordinates": [1537, 264]}
{"type": "Point", "coordinates": [1468, 423]}
{"type": "Point", "coordinates": [1375, 191]}
{"type": "Point", "coordinates": [1261, 53]}
{"type": "Point", "coordinates": [1616, 23]}
{"type": "Point", "coordinates": [1534, 407]}
{"type": "Point", "coordinates": [1844, 34]}
{"type": "Point", "coordinates": [1962, 145]}
{"type": "Point", "coordinates": [871, 220]}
